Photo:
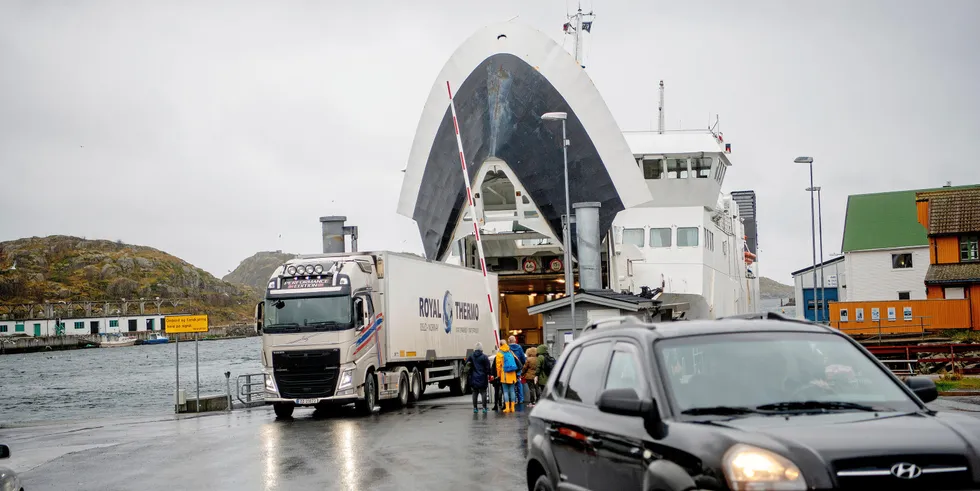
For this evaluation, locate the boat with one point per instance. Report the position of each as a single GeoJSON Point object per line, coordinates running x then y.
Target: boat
{"type": "Point", "coordinates": [118, 342]}
{"type": "Point", "coordinates": [156, 338]}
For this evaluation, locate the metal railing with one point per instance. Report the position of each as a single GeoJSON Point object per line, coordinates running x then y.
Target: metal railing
{"type": "Point", "coordinates": [246, 388]}
{"type": "Point", "coordinates": [905, 367]}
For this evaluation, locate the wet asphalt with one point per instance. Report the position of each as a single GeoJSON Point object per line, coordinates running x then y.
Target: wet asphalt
{"type": "Point", "coordinates": [437, 444]}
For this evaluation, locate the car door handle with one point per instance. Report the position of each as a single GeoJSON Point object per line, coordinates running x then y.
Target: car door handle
{"type": "Point", "coordinates": [595, 442]}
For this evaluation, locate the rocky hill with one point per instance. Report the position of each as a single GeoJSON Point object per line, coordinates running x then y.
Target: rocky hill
{"type": "Point", "coordinates": [256, 270]}
{"type": "Point", "coordinates": [59, 268]}
{"type": "Point", "coordinates": [773, 289]}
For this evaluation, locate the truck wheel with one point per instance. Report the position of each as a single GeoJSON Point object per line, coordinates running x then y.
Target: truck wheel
{"type": "Point", "coordinates": [458, 385]}
{"type": "Point", "coordinates": [366, 405]}
{"type": "Point", "coordinates": [403, 389]}
{"type": "Point", "coordinates": [416, 393]}
{"type": "Point", "coordinates": [284, 410]}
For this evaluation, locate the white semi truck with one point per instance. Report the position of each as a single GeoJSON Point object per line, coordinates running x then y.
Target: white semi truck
{"type": "Point", "coordinates": [364, 327]}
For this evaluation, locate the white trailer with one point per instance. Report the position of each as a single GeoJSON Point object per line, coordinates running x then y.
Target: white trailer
{"type": "Point", "coordinates": [364, 327]}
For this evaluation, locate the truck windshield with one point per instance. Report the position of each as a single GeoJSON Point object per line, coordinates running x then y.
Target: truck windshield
{"type": "Point", "coordinates": [308, 314]}
{"type": "Point", "coordinates": [775, 371]}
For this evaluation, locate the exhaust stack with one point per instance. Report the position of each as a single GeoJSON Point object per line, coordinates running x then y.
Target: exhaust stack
{"type": "Point", "coordinates": [333, 231]}
{"type": "Point", "coordinates": [589, 258]}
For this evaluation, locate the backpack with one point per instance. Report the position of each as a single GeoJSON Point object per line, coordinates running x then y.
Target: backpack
{"type": "Point", "coordinates": [548, 365]}
{"type": "Point", "coordinates": [510, 362]}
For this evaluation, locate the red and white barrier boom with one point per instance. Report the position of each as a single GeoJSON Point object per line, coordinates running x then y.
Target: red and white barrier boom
{"type": "Point", "coordinates": [476, 228]}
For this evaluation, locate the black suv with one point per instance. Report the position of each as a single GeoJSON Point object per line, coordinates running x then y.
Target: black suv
{"type": "Point", "coordinates": [766, 404]}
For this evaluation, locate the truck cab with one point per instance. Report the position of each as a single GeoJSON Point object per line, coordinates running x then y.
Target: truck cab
{"type": "Point", "coordinates": [320, 325]}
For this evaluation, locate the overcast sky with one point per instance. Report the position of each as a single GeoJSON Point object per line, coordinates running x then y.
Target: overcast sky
{"type": "Point", "coordinates": [208, 129]}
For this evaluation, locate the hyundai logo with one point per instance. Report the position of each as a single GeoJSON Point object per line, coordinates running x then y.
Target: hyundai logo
{"type": "Point", "coordinates": [905, 470]}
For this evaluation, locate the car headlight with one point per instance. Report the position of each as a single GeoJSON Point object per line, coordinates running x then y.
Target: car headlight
{"type": "Point", "coordinates": [752, 468]}
{"type": "Point", "coordinates": [346, 379]}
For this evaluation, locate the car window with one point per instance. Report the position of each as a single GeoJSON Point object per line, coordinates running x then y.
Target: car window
{"type": "Point", "coordinates": [566, 371]}
{"type": "Point", "coordinates": [586, 377]}
{"type": "Point", "coordinates": [757, 369]}
{"type": "Point", "coordinates": [624, 372]}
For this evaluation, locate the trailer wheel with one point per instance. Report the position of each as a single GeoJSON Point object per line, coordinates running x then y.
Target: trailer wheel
{"type": "Point", "coordinates": [416, 393]}
{"type": "Point", "coordinates": [366, 406]}
{"type": "Point", "coordinates": [403, 389]}
{"type": "Point", "coordinates": [284, 410]}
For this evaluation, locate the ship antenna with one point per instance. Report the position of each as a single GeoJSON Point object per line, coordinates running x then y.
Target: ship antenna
{"type": "Point", "coordinates": [577, 26]}
{"type": "Point", "coordinates": [660, 121]}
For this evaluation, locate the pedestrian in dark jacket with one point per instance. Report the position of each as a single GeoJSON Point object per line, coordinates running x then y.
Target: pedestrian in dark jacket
{"type": "Point", "coordinates": [479, 377]}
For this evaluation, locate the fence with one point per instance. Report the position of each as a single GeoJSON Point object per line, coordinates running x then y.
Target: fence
{"type": "Point", "coordinates": [953, 357]}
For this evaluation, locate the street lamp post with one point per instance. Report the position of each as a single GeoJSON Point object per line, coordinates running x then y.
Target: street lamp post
{"type": "Point", "coordinates": [567, 225]}
{"type": "Point", "coordinates": [823, 283]}
{"type": "Point", "coordinates": [813, 234]}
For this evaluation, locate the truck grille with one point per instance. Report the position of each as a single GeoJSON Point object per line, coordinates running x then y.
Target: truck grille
{"type": "Point", "coordinates": [932, 472]}
{"type": "Point", "coordinates": [306, 374]}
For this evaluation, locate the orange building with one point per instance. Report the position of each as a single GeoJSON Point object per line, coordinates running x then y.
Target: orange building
{"type": "Point", "coordinates": [952, 222]}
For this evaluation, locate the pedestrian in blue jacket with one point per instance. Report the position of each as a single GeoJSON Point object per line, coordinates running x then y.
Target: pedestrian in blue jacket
{"type": "Point", "coordinates": [517, 350]}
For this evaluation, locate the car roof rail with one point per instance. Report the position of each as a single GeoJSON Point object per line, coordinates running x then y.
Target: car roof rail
{"type": "Point", "coordinates": [618, 321]}
{"type": "Point", "coordinates": [757, 315]}
{"type": "Point", "coordinates": [771, 316]}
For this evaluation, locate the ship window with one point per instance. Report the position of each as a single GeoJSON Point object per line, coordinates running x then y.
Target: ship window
{"type": "Point", "coordinates": [701, 168]}
{"type": "Point", "coordinates": [633, 236]}
{"type": "Point", "coordinates": [676, 168]}
{"type": "Point", "coordinates": [720, 171]}
{"type": "Point", "coordinates": [687, 236]}
{"type": "Point", "coordinates": [709, 240]}
{"type": "Point", "coordinates": [653, 168]}
{"type": "Point", "coordinates": [659, 237]}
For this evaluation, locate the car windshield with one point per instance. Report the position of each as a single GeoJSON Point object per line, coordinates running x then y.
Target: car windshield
{"type": "Point", "coordinates": [776, 371]}
{"type": "Point", "coordinates": [307, 314]}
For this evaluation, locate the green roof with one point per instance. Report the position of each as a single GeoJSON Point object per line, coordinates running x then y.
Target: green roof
{"type": "Point", "coordinates": [884, 220]}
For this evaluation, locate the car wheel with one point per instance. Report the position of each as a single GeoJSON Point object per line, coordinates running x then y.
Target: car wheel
{"type": "Point", "coordinates": [284, 410]}
{"type": "Point", "coordinates": [543, 483]}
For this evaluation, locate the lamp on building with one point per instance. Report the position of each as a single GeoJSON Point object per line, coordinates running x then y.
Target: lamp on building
{"type": "Point", "coordinates": [567, 225]}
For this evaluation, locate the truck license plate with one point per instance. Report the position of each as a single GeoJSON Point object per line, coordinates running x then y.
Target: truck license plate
{"type": "Point", "coordinates": [305, 401]}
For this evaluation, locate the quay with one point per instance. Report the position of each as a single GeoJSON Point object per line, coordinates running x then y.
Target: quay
{"type": "Point", "coordinates": [31, 344]}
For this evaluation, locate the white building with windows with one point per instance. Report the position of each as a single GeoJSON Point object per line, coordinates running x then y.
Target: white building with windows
{"type": "Point", "coordinates": [82, 326]}
{"type": "Point", "coordinates": [886, 250]}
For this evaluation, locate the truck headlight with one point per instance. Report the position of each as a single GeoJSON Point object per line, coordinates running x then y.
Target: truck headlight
{"type": "Point", "coordinates": [270, 383]}
{"type": "Point", "coordinates": [752, 468]}
{"type": "Point", "coordinates": [346, 379]}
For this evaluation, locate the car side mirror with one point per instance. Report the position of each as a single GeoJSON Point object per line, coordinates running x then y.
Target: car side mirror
{"type": "Point", "coordinates": [626, 402]}
{"type": "Point", "coordinates": [4, 452]}
{"type": "Point", "coordinates": [923, 387]}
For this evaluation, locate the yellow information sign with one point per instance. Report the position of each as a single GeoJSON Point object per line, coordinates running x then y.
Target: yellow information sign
{"type": "Point", "coordinates": [186, 323]}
